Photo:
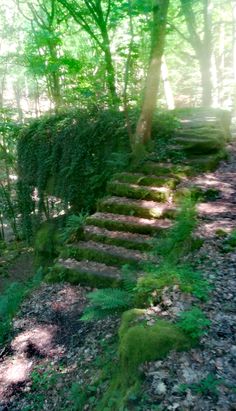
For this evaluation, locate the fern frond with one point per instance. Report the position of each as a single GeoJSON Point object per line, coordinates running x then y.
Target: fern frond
{"type": "Point", "coordinates": [128, 279]}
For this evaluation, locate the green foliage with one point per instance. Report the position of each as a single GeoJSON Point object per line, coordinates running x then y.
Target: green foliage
{"type": "Point", "coordinates": [73, 229]}
{"type": "Point", "coordinates": [193, 322]}
{"type": "Point", "coordinates": [149, 287]}
{"type": "Point", "coordinates": [11, 300]}
{"type": "Point", "coordinates": [141, 343]}
{"type": "Point", "coordinates": [178, 240]}
{"type": "Point", "coordinates": [229, 243]}
{"type": "Point", "coordinates": [207, 386]}
{"type": "Point", "coordinates": [107, 301]}
{"type": "Point", "coordinates": [47, 241]}
{"type": "Point", "coordinates": [41, 382]}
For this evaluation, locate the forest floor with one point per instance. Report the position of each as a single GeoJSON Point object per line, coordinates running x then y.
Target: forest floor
{"type": "Point", "coordinates": [54, 360]}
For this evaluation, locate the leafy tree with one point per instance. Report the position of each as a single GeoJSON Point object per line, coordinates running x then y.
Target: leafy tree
{"type": "Point", "coordinates": [143, 130]}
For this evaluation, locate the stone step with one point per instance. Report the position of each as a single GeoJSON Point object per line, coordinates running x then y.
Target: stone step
{"type": "Point", "coordinates": [132, 224]}
{"type": "Point", "coordinates": [138, 208]}
{"type": "Point", "coordinates": [147, 180]}
{"type": "Point", "coordinates": [201, 145]}
{"type": "Point", "coordinates": [166, 169]}
{"type": "Point", "coordinates": [138, 192]}
{"type": "Point", "coordinates": [84, 272]}
{"type": "Point", "coordinates": [103, 253]}
{"type": "Point", "coordinates": [120, 238]}
{"type": "Point", "coordinates": [208, 162]}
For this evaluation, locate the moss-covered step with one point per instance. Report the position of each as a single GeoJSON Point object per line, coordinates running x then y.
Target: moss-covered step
{"type": "Point", "coordinates": [200, 145]}
{"type": "Point", "coordinates": [147, 180]}
{"type": "Point", "coordinates": [85, 273]}
{"type": "Point", "coordinates": [103, 253]}
{"type": "Point", "coordinates": [132, 224]}
{"type": "Point", "coordinates": [121, 238]}
{"type": "Point", "coordinates": [138, 208]}
{"type": "Point", "coordinates": [166, 169]}
{"type": "Point", "coordinates": [137, 191]}
{"type": "Point", "coordinates": [208, 162]}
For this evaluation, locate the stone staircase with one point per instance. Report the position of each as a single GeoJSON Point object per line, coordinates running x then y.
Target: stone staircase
{"type": "Point", "coordinates": [139, 206]}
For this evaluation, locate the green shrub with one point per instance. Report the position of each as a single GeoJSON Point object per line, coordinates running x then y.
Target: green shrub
{"type": "Point", "coordinates": [178, 240]}
{"type": "Point", "coordinates": [207, 386]}
{"type": "Point", "coordinates": [11, 300]}
{"type": "Point", "coordinates": [193, 323]}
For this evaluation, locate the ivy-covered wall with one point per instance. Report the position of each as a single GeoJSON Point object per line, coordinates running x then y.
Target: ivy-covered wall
{"type": "Point", "coordinates": [73, 154]}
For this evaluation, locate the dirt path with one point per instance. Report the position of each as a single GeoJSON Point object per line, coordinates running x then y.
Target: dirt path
{"type": "Point", "coordinates": [208, 373]}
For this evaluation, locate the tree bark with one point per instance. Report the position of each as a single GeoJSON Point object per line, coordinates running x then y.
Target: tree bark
{"type": "Point", "coordinates": [167, 86]}
{"type": "Point", "coordinates": [144, 125]}
{"type": "Point", "coordinates": [202, 47]}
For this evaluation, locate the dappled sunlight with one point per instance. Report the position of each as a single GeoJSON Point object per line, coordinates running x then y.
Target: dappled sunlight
{"type": "Point", "coordinates": [212, 209]}
{"type": "Point", "coordinates": [39, 338]}
{"type": "Point", "coordinates": [65, 299]}
{"type": "Point", "coordinates": [14, 370]}
{"type": "Point", "coordinates": [209, 230]}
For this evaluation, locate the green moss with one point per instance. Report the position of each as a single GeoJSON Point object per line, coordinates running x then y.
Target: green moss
{"type": "Point", "coordinates": [169, 182]}
{"type": "Point", "coordinates": [128, 319]}
{"type": "Point", "coordinates": [207, 162]}
{"type": "Point", "coordinates": [221, 233]}
{"type": "Point", "coordinates": [135, 209]}
{"type": "Point", "coordinates": [120, 226]}
{"type": "Point", "coordinates": [96, 254]}
{"type": "Point", "coordinates": [142, 343]}
{"type": "Point", "coordinates": [47, 242]}
{"type": "Point", "coordinates": [122, 242]}
{"type": "Point", "coordinates": [158, 169]}
{"type": "Point", "coordinates": [139, 343]}
{"type": "Point", "coordinates": [59, 274]}
{"type": "Point", "coordinates": [126, 190]}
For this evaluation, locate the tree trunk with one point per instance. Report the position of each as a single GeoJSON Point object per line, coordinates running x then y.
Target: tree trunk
{"type": "Point", "coordinates": [206, 54]}
{"type": "Point", "coordinates": [55, 78]}
{"type": "Point", "coordinates": [143, 130]}
{"type": "Point", "coordinates": [167, 86]}
{"type": "Point", "coordinates": [205, 67]}
{"type": "Point", "coordinates": [202, 47]}
{"type": "Point", "coordinates": [111, 83]}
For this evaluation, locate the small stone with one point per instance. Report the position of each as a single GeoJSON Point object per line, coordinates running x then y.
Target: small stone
{"type": "Point", "coordinates": [160, 388]}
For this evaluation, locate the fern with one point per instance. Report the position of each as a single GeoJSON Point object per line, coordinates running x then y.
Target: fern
{"type": "Point", "coordinates": [73, 228]}
{"type": "Point", "coordinates": [108, 301]}
{"type": "Point", "coordinates": [129, 279]}
{"type": "Point", "coordinates": [178, 240]}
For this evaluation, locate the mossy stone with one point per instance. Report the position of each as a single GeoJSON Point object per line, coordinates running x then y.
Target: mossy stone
{"type": "Point", "coordinates": [59, 273]}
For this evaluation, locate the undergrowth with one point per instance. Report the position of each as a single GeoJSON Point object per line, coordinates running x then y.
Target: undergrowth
{"type": "Point", "coordinates": [10, 302]}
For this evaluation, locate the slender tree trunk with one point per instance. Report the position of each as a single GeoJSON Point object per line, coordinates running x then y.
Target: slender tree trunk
{"type": "Point", "coordinates": [167, 86]}
{"type": "Point", "coordinates": [205, 62]}
{"type": "Point", "coordinates": [205, 67]}
{"type": "Point", "coordinates": [202, 47]}
{"type": "Point", "coordinates": [111, 82]}
{"type": "Point", "coordinates": [127, 73]}
{"type": "Point", "coordinates": [55, 79]}
{"type": "Point", "coordinates": [143, 130]}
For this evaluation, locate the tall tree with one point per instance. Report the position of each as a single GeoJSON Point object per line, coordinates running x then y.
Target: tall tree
{"type": "Point", "coordinates": [94, 19]}
{"type": "Point", "coordinates": [144, 125]}
{"type": "Point", "coordinates": [45, 18]}
{"type": "Point", "coordinates": [202, 46]}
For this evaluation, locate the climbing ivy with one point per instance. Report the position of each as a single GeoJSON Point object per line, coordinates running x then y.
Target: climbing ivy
{"type": "Point", "coordinates": [71, 155]}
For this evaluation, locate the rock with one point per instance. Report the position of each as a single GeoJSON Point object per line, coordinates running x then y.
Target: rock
{"type": "Point", "coordinates": [160, 388]}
